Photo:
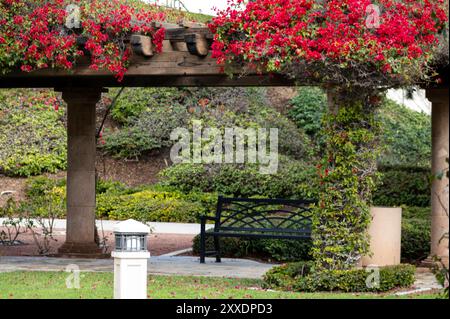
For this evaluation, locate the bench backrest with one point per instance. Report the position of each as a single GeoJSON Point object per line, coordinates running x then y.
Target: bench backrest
{"type": "Point", "coordinates": [268, 216]}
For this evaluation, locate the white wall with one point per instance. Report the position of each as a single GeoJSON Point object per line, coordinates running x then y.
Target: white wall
{"type": "Point", "coordinates": [419, 102]}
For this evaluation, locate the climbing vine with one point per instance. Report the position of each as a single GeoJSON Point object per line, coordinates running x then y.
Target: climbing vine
{"type": "Point", "coordinates": [348, 178]}
{"type": "Point", "coordinates": [34, 33]}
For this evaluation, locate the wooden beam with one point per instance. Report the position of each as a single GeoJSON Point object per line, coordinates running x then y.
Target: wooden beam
{"type": "Point", "coordinates": [164, 69]}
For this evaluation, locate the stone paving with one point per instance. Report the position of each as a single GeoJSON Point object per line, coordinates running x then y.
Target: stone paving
{"type": "Point", "coordinates": [160, 265]}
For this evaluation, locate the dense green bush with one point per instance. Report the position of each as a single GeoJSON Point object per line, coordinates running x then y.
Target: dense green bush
{"type": "Point", "coordinates": [133, 101]}
{"type": "Point", "coordinates": [267, 249]}
{"type": "Point", "coordinates": [150, 131]}
{"type": "Point", "coordinates": [416, 233]}
{"type": "Point", "coordinates": [307, 109]}
{"type": "Point", "coordinates": [302, 277]}
{"type": "Point", "coordinates": [407, 134]}
{"type": "Point", "coordinates": [118, 202]}
{"type": "Point", "coordinates": [402, 185]}
{"type": "Point", "coordinates": [32, 134]}
{"type": "Point", "coordinates": [294, 179]}
{"type": "Point", "coordinates": [148, 206]}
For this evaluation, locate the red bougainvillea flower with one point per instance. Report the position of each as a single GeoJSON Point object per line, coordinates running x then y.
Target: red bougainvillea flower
{"type": "Point", "coordinates": [385, 36]}
{"type": "Point", "coordinates": [33, 33]}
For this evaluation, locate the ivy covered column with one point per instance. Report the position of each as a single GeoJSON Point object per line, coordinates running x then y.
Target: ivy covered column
{"type": "Point", "coordinates": [440, 154]}
{"type": "Point", "coordinates": [81, 152]}
{"type": "Point", "coordinates": [347, 179]}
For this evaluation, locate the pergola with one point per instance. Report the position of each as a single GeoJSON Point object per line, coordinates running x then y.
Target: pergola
{"type": "Point", "coordinates": [185, 61]}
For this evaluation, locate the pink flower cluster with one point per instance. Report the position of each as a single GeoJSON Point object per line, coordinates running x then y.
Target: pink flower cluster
{"type": "Point", "coordinates": [33, 36]}
{"type": "Point", "coordinates": [384, 34]}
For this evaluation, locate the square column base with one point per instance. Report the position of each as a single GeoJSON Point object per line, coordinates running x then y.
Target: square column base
{"type": "Point", "coordinates": [81, 250]}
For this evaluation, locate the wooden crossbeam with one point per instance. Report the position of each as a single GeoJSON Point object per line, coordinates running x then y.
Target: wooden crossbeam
{"type": "Point", "coordinates": [173, 68]}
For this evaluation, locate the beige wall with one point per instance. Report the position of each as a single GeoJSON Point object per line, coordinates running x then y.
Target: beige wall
{"type": "Point", "coordinates": [385, 237]}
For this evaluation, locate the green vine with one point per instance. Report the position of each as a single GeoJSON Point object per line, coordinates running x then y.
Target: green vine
{"type": "Point", "coordinates": [347, 180]}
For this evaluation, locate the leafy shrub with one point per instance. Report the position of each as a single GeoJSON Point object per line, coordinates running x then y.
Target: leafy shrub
{"type": "Point", "coordinates": [294, 179]}
{"type": "Point", "coordinates": [40, 185]}
{"type": "Point", "coordinates": [416, 233]}
{"type": "Point", "coordinates": [303, 277]}
{"type": "Point", "coordinates": [32, 135]}
{"type": "Point", "coordinates": [400, 185]}
{"type": "Point", "coordinates": [150, 115]}
{"type": "Point", "coordinates": [133, 101]}
{"type": "Point", "coordinates": [148, 206]}
{"type": "Point", "coordinates": [150, 131]}
{"type": "Point", "coordinates": [307, 109]}
{"type": "Point", "coordinates": [283, 277]}
{"type": "Point", "coordinates": [155, 205]}
{"type": "Point", "coordinates": [118, 202]}
{"type": "Point", "coordinates": [292, 141]}
{"type": "Point", "coordinates": [407, 134]}
{"type": "Point", "coordinates": [267, 249]}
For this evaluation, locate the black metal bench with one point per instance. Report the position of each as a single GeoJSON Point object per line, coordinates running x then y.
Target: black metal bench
{"type": "Point", "coordinates": [256, 218]}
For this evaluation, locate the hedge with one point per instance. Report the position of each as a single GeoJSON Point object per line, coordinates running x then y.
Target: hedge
{"type": "Point", "coordinates": [149, 205]}
{"type": "Point", "coordinates": [302, 277]}
{"type": "Point", "coordinates": [295, 179]}
{"type": "Point", "coordinates": [416, 233]}
{"type": "Point", "coordinates": [404, 185]}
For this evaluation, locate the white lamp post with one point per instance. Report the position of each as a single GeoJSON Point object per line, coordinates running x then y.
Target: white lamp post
{"type": "Point", "coordinates": [130, 260]}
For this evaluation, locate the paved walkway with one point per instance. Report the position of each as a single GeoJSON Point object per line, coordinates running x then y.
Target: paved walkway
{"type": "Point", "coordinates": [157, 228]}
{"type": "Point", "coordinates": [160, 265]}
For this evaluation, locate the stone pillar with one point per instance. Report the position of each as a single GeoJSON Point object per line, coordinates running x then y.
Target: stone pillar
{"type": "Point", "coordinates": [81, 151]}
{"type": "Point", "coordinates": [439, 191]}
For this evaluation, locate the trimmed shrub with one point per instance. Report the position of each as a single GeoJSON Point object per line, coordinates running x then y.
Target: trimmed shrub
{"type": "Point", "coordinates": [156, 205]}
{"type": "Point", "coordinates": [302, 277]}
{"type": "Point", "coordinates": [401, 185]}
{"type": "Point", "coordinates": [118, 202]}
{"type": "Point", "coordinates": [416, 233]}
{"type": "Point", "coordinates": [284, 277]}
{"type": "Point", "coordinates": [294, 179]}
{"type": "Point", "coordinates": [148, 206]}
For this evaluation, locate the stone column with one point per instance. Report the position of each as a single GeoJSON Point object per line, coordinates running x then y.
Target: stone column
{"type": "Point", "coordinates": [439, 191]}
{"type": "Point", "coordinates": [81, 151]}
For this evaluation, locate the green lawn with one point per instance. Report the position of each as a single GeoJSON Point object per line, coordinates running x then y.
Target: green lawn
{"type": "Point", "coordinates": [49, 285]}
